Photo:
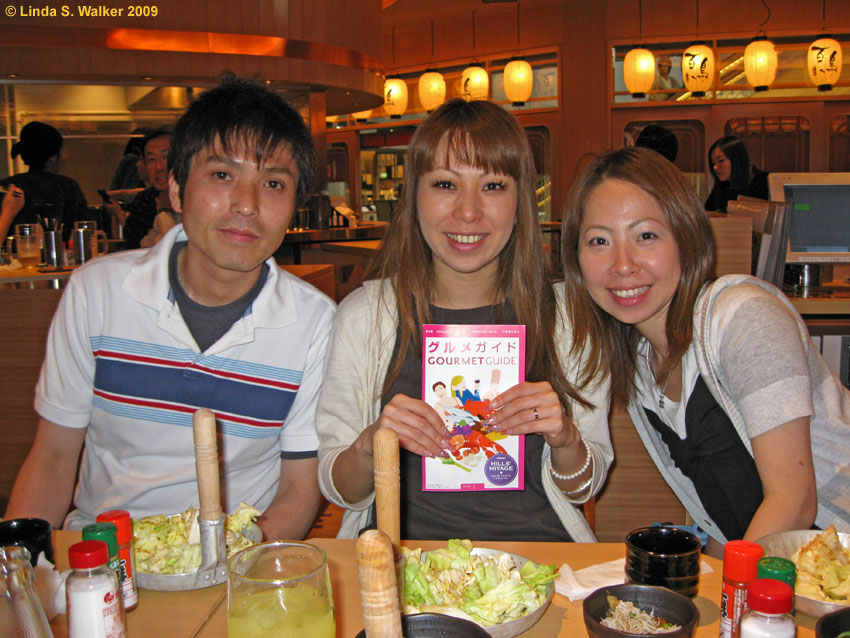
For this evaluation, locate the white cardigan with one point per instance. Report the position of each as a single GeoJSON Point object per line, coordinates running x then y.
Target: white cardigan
{"type": "Point", "coordinates": [362, 345]}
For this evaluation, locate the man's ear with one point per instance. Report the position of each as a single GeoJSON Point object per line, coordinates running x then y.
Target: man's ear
{"type": "Point", "coordinates": [174, 194]}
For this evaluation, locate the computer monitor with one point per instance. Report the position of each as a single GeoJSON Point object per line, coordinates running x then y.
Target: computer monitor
{"type": "Point", "coordinates": [819, 228]}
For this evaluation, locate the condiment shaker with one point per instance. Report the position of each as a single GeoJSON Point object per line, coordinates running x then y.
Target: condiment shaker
{"type": "Point", "coordinates": [770, 610]}
{"type": "Point", "coordinates": [94, 600]}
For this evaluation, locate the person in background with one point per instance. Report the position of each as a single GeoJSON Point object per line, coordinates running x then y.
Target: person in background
{"type": "Point", "coordinates": [141, 339]}
{"type": "Point", "coordinates": [732, 400]}
{"type": "Point", "coordinates": [733, 174]}
{"type": "Point", "coordinates": [663, 79]}
{"type": "Point", "coordinates": [130, 173]}
{"type": "Point", "coordinates": [143, 210]}
{"type": "Point", "coordinates": [464, 247]}
{"type": "Point", "coordinates": [660, 139]}
{"type": "Point", "coordinates": [45, 192]}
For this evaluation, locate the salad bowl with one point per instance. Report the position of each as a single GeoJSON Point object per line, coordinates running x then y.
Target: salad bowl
{"type": "Point", "coordinates": [513, 627]}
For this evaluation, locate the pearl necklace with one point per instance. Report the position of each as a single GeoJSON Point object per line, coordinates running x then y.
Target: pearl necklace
{"type": "Point", "coordinates": [654, 376]}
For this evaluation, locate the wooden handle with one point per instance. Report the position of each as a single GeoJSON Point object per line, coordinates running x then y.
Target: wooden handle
{"type": "Point", "coordinates": [378, 592]}
{"type": "Point", "coordinates": [387, 490]}
{"type": "Point", "coordinates": [206, 464]}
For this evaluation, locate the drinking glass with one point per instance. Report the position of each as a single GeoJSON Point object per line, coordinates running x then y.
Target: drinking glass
{"type": "Point", "coordinates": [280, 589]}
{"type": "Point", "coordinates": [97, 238]}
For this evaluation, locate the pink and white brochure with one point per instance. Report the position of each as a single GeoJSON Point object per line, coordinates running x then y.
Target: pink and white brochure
{"type": "Point", "coordinates": [463, 367]}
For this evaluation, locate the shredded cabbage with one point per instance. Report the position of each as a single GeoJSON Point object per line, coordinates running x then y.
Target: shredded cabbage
{"type": "Point", "coordinates": [172, 544]}
{"type": "Point", "coordinates": [487, 589]}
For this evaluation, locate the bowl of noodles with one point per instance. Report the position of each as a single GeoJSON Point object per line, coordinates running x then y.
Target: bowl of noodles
{"type": "Point", "coordinates": [625, 611]}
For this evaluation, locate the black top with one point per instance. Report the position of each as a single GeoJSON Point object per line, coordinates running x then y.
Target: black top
{"type": "Point", "coordinates": [713, 456]}
{"type": "Point", "coordinates": [724, 192]}
{"type": "Point", "coordinates": [49, 195]}
{"type": "Point", "coordinates": [520, 515]}
{"type": "Point", "coordinates": [141, 213]}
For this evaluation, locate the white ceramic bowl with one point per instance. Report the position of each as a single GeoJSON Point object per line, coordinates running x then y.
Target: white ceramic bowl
{"type": "Point", "coordinates": [523, 623]}
{"type": "Point", "coordinates": [784, 544]}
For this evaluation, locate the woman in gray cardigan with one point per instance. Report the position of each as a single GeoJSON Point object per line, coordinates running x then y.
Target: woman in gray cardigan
{"type": "Point", "coordinates": [464, 247]}
{"type": "Point", "coordinates": [737, 408]}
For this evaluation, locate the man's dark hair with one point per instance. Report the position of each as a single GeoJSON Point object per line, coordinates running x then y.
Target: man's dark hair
{"type": "Point", "coordinates": [240, 111]}
{"type": "Point", "coordinates": [162, 131]}
{"type": "Point", "coordinates": [659, 139]}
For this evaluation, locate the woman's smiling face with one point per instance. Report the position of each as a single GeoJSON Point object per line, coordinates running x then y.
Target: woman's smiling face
{"type": "Point", "coordinates": [466, 215]}
{"type": "Point", "coordinates": [628, 256]}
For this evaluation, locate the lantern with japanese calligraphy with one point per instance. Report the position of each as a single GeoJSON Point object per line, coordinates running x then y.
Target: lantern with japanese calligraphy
{"type": "Point", "coordinates": [698, 69]}
{"type": "Point", "coordinates": [824, 63]}
{"type": "Point", "coordinates": [395, 97]}
{"type": "Point", "coordinates": [475, 83]}
{"type": "Point", "coordinates": [760, 61]}
{"type": "Point", "coordinates": [639, 71]}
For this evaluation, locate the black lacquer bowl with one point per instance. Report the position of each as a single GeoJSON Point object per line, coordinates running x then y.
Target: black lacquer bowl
{"type": "Point", "coordinates": [437, 626]}
{"type": "Point", "coordinates": [664, 556]}
{"type": "Point", "coordinates": [663, 603]}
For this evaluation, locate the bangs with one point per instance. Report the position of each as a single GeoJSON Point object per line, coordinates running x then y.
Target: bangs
{"type": "Point", "coordinates": [260, 146]}
{"type": "Point", "coordinates": [489, 145]}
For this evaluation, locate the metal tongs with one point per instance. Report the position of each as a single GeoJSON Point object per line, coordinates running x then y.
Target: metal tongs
{"type": "Point", "coordinates": [213, 569]}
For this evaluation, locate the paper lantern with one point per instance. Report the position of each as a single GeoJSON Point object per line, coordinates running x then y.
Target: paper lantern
{"type": "Point", "coordinates": [760, 63]}
{"type": "Point", "coordinates": [639, 71]}
{"type": "Point", "coordinates": [475, 83]}
{"type": "Point", "coordinates": [824, 63]}
{"type": "Point", "coordinates": [519, 80]}
{"type": "Point", "coordinates": [395, 97]}
{"type": "Point", "coordinates": [432, 90]}
{"type": "Point", "coordinates": [698, 69]}
{"type": "Point", "coordinates": [362, 116]}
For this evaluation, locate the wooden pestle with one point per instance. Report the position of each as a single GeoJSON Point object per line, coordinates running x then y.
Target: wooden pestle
{"type": "Point", "coordinates": [376, 569]}
{"type": "Point", "coordinates": [206, 465]}
{"type": "Point", "coordinates": [387, 489]}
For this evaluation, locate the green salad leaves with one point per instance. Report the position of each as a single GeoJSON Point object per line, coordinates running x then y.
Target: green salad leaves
{"type": "Point", "coordinates": [487, 589]}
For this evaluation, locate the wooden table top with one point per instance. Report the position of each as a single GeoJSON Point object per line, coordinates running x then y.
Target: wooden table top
{"type": "Point", "coordinates": [366, 247]}
{"type": "Point", "coordinates": [202, 613]}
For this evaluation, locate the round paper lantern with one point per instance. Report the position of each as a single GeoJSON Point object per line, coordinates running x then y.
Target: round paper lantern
{"type": "Point", "coordinates": [432, 90]}
{"type": "Point", "coordinates": [639, 71]}
{"type": "Point", "coordinates": [475, 83]}
{"type": "Point", "coordinates": [362, 116]}
{"type": "Point", "coordinates": [760, 63]}
{"type": "Point", "coordinates": [519, 80]}
{"type": "Point", "coordinates": [824, 63]}
{"type": "Point", "coordinates": [395, 97]}
{"type": "Point", "coordinates": [698, 69]}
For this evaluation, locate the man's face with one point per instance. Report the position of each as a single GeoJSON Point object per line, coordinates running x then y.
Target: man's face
{"type": "Point", "coordinates": [235, 212]}
{"type": "Point", "coordinates": [156, 161]}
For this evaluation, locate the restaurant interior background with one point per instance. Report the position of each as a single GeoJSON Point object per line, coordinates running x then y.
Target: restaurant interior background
{"type": "Point", "coordinates": [98, 78]}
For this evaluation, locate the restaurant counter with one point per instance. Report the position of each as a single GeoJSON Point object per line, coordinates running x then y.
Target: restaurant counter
{"type": "Point", "coordinates": [203, 613]}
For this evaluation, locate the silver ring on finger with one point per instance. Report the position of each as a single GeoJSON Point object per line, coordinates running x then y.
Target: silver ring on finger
{"type": "Point", "coordinates": [536, 413]}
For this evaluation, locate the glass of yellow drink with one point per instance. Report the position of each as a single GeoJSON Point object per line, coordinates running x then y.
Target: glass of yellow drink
{"type": "Point", "coordinates": [280, 589]}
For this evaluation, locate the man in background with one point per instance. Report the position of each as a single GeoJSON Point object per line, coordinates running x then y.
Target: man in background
{"type": "Point", "coordinates": [142, 211]}
{"type": "Point", "coordinates": [205, 318]}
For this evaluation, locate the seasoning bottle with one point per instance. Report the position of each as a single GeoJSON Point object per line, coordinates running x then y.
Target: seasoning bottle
{"type": "Point", "coordinates": [94, 603]}
{"type": "Point", "coordinates": [126, 554]}
{"type": "Point", "coordinates": [740, 560]}
{"type": "Point", "coordinates": [108, 533]}
{"type": "Point", "coordinates": [770, 610]}
{"type": "Point", "coordinates": [777, 568]}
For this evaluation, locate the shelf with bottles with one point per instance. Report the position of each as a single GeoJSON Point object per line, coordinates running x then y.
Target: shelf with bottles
{"type": "Point", "coordinates": [381, 175]}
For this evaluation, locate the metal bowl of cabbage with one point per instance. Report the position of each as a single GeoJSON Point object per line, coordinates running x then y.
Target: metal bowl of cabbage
{"type": "Point", "coordinates": [169, 548]}
{"type": "Point", "coordinates": [823, 567]}
{"type": "Point", "coordinates": [661, 605]}
{"type": "Point", "coordinates": [514, 591]}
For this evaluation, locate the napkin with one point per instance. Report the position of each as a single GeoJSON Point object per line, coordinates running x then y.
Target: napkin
{"type": "Point", "coordinates": [579, 584]}
{"type": "Point", "coordinates": [13, 265]}
{"type": "Point", "coordinates": [50, 587]}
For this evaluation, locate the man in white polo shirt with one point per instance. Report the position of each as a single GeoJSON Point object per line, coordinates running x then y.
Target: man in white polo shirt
{"type": "Point", "coordinates": [205, 318]}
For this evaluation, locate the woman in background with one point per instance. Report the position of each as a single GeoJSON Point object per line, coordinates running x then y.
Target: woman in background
{"type": "Point", "coordinates": [721, 379]}
{"type": "Point", "coordinates": [733, 174]}
{"type": "Point", "coordinates": [464, 247]}
{"type": "Point", "coordinates": [45, 192]}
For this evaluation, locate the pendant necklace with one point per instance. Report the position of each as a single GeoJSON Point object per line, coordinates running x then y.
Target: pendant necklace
{"type": "Point", "coordinates": [654, 378]}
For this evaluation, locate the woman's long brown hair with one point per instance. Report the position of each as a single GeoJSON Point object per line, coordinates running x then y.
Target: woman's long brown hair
{"type": "Point", "coordinates": [483, 135]}
{"type": "Point", "coordinates": [613, 344]}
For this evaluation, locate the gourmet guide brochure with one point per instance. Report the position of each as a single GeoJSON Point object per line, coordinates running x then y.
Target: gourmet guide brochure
{"type": "Point", "coordinates": [463, 367]}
